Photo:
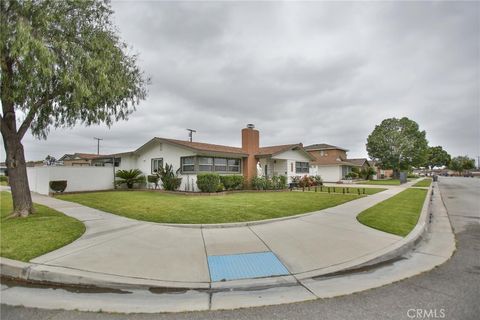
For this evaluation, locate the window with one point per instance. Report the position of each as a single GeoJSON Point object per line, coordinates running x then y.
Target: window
{"type": "Point", "coordinates": [157, 163]}
{"type": "Point", "coordinates": [205, 164]}
{"type": "Point", "coordinates": [233, 165]}
{"type": "Point", "coordinates": [322, 153]}
{"type": "Point", "coordinates": [220, 164]}
{"type": "Point", "coordinates": [188, 164]}
{"type": "Point", "coordinates": [301, 167]}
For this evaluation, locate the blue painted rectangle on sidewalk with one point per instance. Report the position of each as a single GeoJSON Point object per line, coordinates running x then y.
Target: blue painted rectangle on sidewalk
{"type": "Point", "coordinates": [244, 266]}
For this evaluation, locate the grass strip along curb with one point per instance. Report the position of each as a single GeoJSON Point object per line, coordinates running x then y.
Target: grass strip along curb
{"type": "Point", "coordinates": [425, 183]}
{"type": "Point", "coordinates": [397, 215]}
{"type": "Point", "coordinates": [41, 232]}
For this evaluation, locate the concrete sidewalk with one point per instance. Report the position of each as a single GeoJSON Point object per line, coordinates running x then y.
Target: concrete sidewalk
{"type": "Point", "coordinates": [123, 251]}
{"type": "Point", "coordinates": [436, 248]}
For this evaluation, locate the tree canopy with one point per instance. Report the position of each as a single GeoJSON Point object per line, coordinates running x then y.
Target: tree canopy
{"type": "Point", "coordinates": [62, 64]}
{"type": "Point", "coordinates": [437, 157]}
{"type": "Point", "coordinates": [398, 144]}
{"type": "Point", "coordinates": [461, 164]}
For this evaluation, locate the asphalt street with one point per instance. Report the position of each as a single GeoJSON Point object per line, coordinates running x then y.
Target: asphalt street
{"type": "Point", "coordinates": [451, 291]}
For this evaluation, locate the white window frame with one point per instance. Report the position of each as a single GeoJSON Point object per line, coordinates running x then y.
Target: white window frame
{"type": "Point", "coordinates": [154, 164]}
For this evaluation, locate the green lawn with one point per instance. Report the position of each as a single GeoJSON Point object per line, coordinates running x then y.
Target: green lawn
{"type": "Point", "coordinates": [424, 183]}
{"type": "Point", "coordinates": [397, 215]}
{"type": "Point", "coordinates": [353, 190]}
{"type": "Point", "coordinates": [3, 183]}
{"type": "Point", "coordinates": [386, 182]}
{"type": "Point", "coordinates": [44, 231]}
{"type": "Point", "coordinates": [235, 207]}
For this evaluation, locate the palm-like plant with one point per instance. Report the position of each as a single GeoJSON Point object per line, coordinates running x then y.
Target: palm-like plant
{"type": "Point", "coordinates": [129, 177]}
{"type": "Point", "coordinates": [170, 179]}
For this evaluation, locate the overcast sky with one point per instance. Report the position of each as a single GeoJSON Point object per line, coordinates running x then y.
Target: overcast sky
{"type": "Point", "coordinates": [311, 72]}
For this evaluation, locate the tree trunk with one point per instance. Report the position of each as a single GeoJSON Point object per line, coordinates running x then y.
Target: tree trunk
{"type": "Point", "coordinates": [17, 177]}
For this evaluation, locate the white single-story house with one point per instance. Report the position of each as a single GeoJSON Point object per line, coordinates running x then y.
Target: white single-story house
{"type": "Point", "coordinates": [191, 158]}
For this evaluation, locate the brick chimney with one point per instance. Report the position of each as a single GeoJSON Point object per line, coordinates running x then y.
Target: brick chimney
{"type": "Point", "coordinates": [251, 146]}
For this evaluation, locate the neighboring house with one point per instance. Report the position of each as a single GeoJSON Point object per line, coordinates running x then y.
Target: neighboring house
{"type": "Point", "coordinates": [330, 162]}
{"type": "Point", "coordinates": [191, 158]}
{"type": "Point", "coordinates": [381, 173]}
{"type": "Point", "coordinates": [360, 163]}
{"type": "Point", "coordinates": [81, 159]}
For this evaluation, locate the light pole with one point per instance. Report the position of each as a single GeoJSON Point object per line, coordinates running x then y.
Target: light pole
{"type": "Point", "coordinates": [98, 144]}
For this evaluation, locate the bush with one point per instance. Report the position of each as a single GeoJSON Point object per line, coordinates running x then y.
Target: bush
{"type": "Point", "coordinates": [129, 177]}
{"type": "Point", "coordinates": [259, 183]}
{"type": "Point", "coordinates": [208, 182]}
{"type": "Point", "coordinates": [367, 173]}
{"type": "Point", "coordinates": [58, 185]}
{"type": "Point", "coordinates": [3, 179]}
{"type": "Point", "coordinates": [306, 181]}
{"type": "Point", "coordinates": [275, 183]}
{"type": "Point", "coordinates": [318, 180]}
{"type": "Point", "coordinates": [220, 187]}
{"type": "Point", "coordinates": [153, 179]}
{"type": "Point", "coordinates": [170, 181]}
{"type": "Point", "coordinates": [232, 182]}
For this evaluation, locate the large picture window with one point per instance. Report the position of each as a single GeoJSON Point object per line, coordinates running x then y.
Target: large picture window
{"type": "Point", "coordinates": [188, 164]}
{"type": "Point", "coordinates": [233, 165]}
{"type": "Point", "coordinates": [157, 163]}
{"type": "Point", "coordinates": [301, 167]}
{"type": "Point", "coordinates": [205, 164]}
{"type": "Point", "coordinates": [220, 164]}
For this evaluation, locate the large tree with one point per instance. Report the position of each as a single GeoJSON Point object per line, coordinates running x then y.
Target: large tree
{"type": "Point", "coordinates": [437, 157]}
{"type": "Point", "coordinates": [62, 64]}
{"type": "Point", "coordinates": [461, 164]}
{"type": "Point", "coordinates": [398, 144]}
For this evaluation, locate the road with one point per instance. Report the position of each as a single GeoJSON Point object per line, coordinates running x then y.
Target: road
{"type": "Point", "coordinates": [451, 291]}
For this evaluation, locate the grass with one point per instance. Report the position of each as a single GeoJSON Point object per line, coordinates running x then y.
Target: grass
{"type": "Point", "coordinates": [386, 182]}
{"type": "Point", "coordinates": [44, 231]}
{"type": "Point", "coordinates": [236, 207]}
{"type": "Point", "coordinates": [3, 183]}
{"type": "Point", "coordinates": [397, 215]}
{"type": "Point", "coordinates": [352, 190]}
{"type": "Point", "coordinates": [423, 183]}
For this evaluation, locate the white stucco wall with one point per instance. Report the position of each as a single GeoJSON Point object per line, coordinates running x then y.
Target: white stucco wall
{"type": "Point", "coordinates": [328, 173]}
{"type": "Point", "coordinates": [78, 178]}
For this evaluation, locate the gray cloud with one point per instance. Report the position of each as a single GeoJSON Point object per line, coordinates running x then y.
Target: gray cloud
{"type": "Point", "coordinates": [308, 72]}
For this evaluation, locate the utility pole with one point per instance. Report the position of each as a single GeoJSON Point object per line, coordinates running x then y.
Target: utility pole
{"type": "Point", "coordinates": [98, 144]}
{"type": "Point", "coordinates": [190, 133]}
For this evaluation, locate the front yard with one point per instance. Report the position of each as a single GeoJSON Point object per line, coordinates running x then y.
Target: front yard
{"type": "Point", "coordinates": [424, 183]}
{"type": "Point", "coordinates": [236, 207]}
{"type": "Point", "coordinates": [44, 231]}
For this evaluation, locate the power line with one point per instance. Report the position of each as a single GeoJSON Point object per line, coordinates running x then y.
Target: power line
{"type": "Point", "coordinates": [190, 133]}
{"type": "Point", "coordinates": [98, 144]}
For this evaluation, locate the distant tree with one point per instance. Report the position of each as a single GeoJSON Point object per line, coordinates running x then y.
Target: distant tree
{"type": "Point", "coordinates": [62, 63]}
{"type": "Point", "coordinates": [461, 164]}
{"type": "Point", "coordinates": [437, 157]}
{"type": "Point", "coordinates": [398, 144]}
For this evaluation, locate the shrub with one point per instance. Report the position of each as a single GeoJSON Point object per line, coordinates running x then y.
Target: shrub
{"type": "Point", "coordinates": [129, 177]}
{"type": "Point", "coordinates": [318, 180]}
{"type": "Point", "coordinates": [170, 180]}
{"type": "Point", "coordinates": [282, 182]}
{"type": "Point", "coordinates": [3, 179]}
{"type": "Point", "coordinates": [208, 182]}
{"type": "Point", "coordinates": [306, 181]}
{"type": "Point", "coordinates": [259, 183]}
{"type": "Point", "coordinates": [367, 173]}
{"type": "Point", "coordinates": [153, 179]}
{"type": "Point", "coordinates": [58, 185]}
{"type": "Point", "coordinates": [220, 187]}
{"type": "Point", "coordinates": [232, 182]}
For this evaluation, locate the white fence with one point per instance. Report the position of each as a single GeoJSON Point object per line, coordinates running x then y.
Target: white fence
{"type": "Point", "coordinates": [78, 178]}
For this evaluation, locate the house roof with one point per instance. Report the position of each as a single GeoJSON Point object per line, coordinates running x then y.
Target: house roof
{"type": "Point", "coordinates": [358, 161]}
{"type": "Point", "coordinates": [199, 147]}
{"type": "Point", "coordinates": [322, 146]}
{"type": "Point", "coordinates": [83, 156]}
{"type": "Point", "coordinates": [331, 162]}
{"type": "Point", "coordinates": [274, 150]}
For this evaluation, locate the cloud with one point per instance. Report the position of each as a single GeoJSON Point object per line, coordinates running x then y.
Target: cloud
{"type": "Point", "coordinates": [311, 72]}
